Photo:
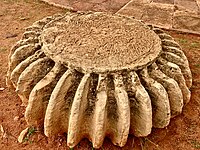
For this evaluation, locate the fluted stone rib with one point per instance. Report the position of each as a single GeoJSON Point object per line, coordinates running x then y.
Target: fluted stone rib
{"type": "Point", "coordinates": [174, 92]}
{"type": "Point", "coordinates": [171, 57]}
{"type": "Point", "coordinates": [159, 100]}
{"type": "Point", "coordinates": [54, 18]}
{"type": "Point", "coordinates": [158, 30]}
{"type": "Point", "coordinates": [31, 76]}
{"type": "Point", "coordinates": [77, 111]}
{"type": "Point", "coordinates": [21, 54]}
{"type": "Point", "coordinates": [30, 34]}
{"type": "Point", "coordinates": [38, 25]}
{"type": "Point", "coordinates": [29, 37]}
{"type": "Point", "coordinates": [39, 96]}
{"type": "Point", "coordinates": [140, 108]}
{"type": "Point", "coordinates": [175, 51]}
{"type": "Point", "coordinates": [22, 43]}
{"type": "Point", "coordinates": [100, 112]}
{"type": "Point", "coordinates": [165, 36]}
{"type": "Point", "coordinates": [172, 70]}
{"type": "Point", "coordinates": [169, 45]}
{"type": "Point", "coordinates": [13, 49]}
{"type": "Point", "coordinates": [123, 110]}
{"type": "Point", "coordinates": [36, 28]}
{"type": "Point", "coordinates": [23, 65]}
{"type": "Point", "coordinates": [182, 64]}
{"type": "Point", "coordinates": [58, 111]}
{"type": "Point", "coordinates": [167, 42]}
{"type": "Point", "coordinates": [44, 21]}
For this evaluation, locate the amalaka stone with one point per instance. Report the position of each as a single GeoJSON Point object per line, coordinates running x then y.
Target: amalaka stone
{"type": "Point", "coordinates": [97, 75]}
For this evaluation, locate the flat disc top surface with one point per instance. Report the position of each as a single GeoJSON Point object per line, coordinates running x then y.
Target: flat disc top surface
{"type": "Point", "coordinates": [100, 42]}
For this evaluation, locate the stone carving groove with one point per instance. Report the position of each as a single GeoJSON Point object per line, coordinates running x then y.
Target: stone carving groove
{"type": "Point", "coordinates": [91, 100]}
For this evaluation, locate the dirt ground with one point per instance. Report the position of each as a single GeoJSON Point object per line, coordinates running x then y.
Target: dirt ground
{"type": "Point", "coordinates": [183, 133]}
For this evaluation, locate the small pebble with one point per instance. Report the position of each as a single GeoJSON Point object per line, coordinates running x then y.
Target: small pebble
{"type": "Point", "coordinates": [2, 129]}
{"type": "Point", "coordinates": [11, 36]}
{"type": "Point", "coordinates": [22, 135]}
{"type": "Point", "coordinates": [16, 118]}
{"type": "Point", "coordinates": [1, 89]}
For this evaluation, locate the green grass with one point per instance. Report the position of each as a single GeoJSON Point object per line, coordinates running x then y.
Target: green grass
{"type": "Point", "coordinates": [144, 143]}
{"type": "Point", "coordinates": [197, 65]}
{"type": "Point", "coordinates": [195, 144]}
{"type": "Point", "coordinates": [31, 131]}
{"type": "Point", "coordinates": [2, 49]}
{"type": "Point", "coordinates": [92, 148]}
{"type": "Point", "coordinates": [183, 41]}
{"type": "Point", "coordinates": [195, 45]}
{"type": "Point", "coordinates": [191, 44]}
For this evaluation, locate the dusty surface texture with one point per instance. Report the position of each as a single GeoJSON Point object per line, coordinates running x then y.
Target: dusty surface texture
{"type": "Point", "coordinates": [104, 43]}
{"type": "Point", "coordinates": [184, 129]}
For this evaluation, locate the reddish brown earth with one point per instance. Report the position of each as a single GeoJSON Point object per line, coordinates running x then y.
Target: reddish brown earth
{"type": "Point", "coordinates": [90, 5]}
{"type": "Point", "coordinates": [183, 133]}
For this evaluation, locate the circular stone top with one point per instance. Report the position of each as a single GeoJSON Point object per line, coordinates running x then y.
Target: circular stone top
{"type": "Point", "coordinates": [99, 42]}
